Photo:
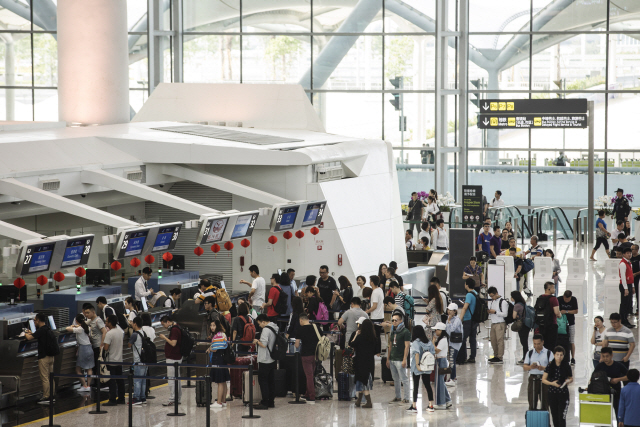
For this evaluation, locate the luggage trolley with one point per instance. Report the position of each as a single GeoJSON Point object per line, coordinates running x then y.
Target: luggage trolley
{"type": "Point", "coordinates": [596, 410]}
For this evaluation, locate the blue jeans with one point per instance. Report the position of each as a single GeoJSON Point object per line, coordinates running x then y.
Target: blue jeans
{"type": "Point", "coordinates": [139, 384]}
{"type": "Point", "coordinates": [399, 375]}
{"type": "Point", "coordinates": [469, 329]}
{"type": "Point", "coordinates": [442, 394]}
{"type": "Point", "coordinates": [453, 355]}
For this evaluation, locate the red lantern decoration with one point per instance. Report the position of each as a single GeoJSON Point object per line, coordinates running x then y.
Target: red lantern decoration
{"type": "Point", "coordinates": [19, 283]}
{"type": "Point", "coordinates": [215, 248]}
{"type": "Point", "coordinates": [198, 251]}
{"type": "Point", "coordinates": [314, 230]}
{"type": "Point", "coordinates": [115, 265]}
{"type": "Point", "coordinates": [58, 277]}
{"type": "Point", "coordinates": [299, 234]}
{"type": "Point", "coordinates": [80, 272]}
{"type": "Point", "coordinates": [167, 256]}
{"type": "Point", "coordinates": [134, 262]}
{"type": "Point", "coordinates": [149, 259]}
{"type": "Point", "coordinates": [228, 246]}
{"type": "Point", "coordinates": [42, 280]}
{"type": "Point", "coordinates": [273, 240]}
{"type": "Point", "coordinates": [287, 235]}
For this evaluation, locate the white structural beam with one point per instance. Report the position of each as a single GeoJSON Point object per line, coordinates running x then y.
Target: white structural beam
{"type": "Point", "coordinates": [108, 180]}
{"type": "Point", "coordinates": [18, 233]}
{"type": "Point", "coordinates": [220, 183]}
{"type": "Point", "coordinates": [22, 191]}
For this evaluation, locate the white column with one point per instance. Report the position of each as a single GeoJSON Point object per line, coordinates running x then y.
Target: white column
{"type": "Point", "coordinates": [93, 72]}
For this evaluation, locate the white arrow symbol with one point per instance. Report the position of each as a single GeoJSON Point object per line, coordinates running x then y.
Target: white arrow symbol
{"type": "Point", "coordinates": [486, 107]}
{"type": "Point", "coordinates": [486, 122]}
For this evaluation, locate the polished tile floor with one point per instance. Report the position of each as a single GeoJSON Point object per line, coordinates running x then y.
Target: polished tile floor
{"type": "Point", "coordinates": [485, 395]}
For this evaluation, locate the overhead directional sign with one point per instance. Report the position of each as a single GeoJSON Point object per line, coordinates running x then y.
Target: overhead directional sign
{"type": "Point", "coordinates": [532, 113]}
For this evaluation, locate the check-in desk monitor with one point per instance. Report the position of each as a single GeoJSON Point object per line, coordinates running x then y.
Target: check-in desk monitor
{"type": "Point", "coordinates": [244, 226]}
{"type": "Point", "coordinates": [286, 218]}
{"type": "Point", "coordinates": [313, 214]}
{"type": "Point", "coordinates": [132, 243]}
{"type": "Point", "coordinates": [37, 258]}
{"type": "Point", "coordinates": [77, 251]}
{"type": "Point", "coordinates": [167, 238]}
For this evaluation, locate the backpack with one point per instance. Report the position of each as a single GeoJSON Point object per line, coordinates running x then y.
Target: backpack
{"type": "Point", "coordinates": [562, 325]}
{"type": "Point", "coordinates": [147, 351]}
{"type": "Point", "coordinates": [280, 346]}
{"type": "Point", "coordinates": [223, 300]}
{"type": "Point", "coordinates": [323, 348]}
{"type": "Point", "coordinates": [427, 362]}
{"type": "Point", "coordinates": [481, 312]}
{"type": "Point", "coordinates": [216, 315]}
{"type": "Point", "coordinates": [281, 305]}
{"type": "Point", "coordinates": [249, 330]}
{"type": "Point", "coordinates": [323, 313]}
{"type": "Point", "coordinates": [509, 319]}
{"type": "Point", "coordinates": [529, 318]}
{"type": "Point", "coordinates": [544, 312]}
{"type": "Point", "coordinates": [122, 321]}
{"type": "Point", "coordinates": [365, 304]}
{"type": "Point", "coordinates": [52, 347]}
{"type": "Point", "coordinates": [599, 383]}
{"type": "Point", "coordinates": [447, 299]}
{"type": "Point", "coordinates": [409, 307]}
{"type": "Point", "coordinates": [186, 341]}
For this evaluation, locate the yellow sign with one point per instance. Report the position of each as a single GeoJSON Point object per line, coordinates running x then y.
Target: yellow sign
{"type": "Point", "coordinates": [511, 106]}
{"type": "Point", "coordinates": [502, 106]}
{"type": "Point", "coordinates": [537, 121]}
{"type": "Point", "coordinates": [512, 121]}
{"type": "Point", "coordinates": [494, 106]}
{"type": "Point", "coordinates": [494, 121]}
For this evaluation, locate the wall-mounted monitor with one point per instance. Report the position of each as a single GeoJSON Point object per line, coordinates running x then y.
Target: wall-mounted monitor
{"type": "Point", "coordinates": [313, 213]}
{"type": "Point", "coordinates": [131, 243]}
{"type": "Point", "coordinates": [167, 237]}
{"type": "Point", "coordinates": [52, 323]}
{"type": "Point", "coordinates": [77, 251]}
{"type": "Point", "coordinates": [244, 225]}
{"type": "Point", "coordinates": [32, 326]}
{"type": "Point", "coordinates": [285, 218]}
{"type": "Point", "coordinates": [37, 258]}
{"type": "Point", "coordinates": [214, 229]}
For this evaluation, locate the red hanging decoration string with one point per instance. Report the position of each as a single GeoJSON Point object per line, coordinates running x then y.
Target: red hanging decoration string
{"type": "Point", "coordinates": [273, 240]}
{"type": "Point", "coordinates": [245, 243]}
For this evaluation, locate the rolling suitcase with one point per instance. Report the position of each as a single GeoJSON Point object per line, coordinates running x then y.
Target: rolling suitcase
{"type": "Point", "coordinates": [250, 382]}
{"type": "Point", "coordinates": [537, 417]}
{"type": "Point", "coordinates": [235, 390]}
{"type": "Point", "coordinates": [280, 382]}
{"type": "Point", "coordinates": [385, 372]}
{"type": "Point", "coordinates": [202, 394]}
{"type": "Point", "coordinates": [343, 386]}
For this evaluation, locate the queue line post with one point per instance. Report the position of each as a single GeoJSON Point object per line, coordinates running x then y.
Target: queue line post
{"type": "Point", "coordinates": [51, 393]}
{"type": "Point", "coordinates": [97, 410]}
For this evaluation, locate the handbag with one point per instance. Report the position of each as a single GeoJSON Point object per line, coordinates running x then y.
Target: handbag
{"type": "Point", "coordinates": [104, 370]}
{"type": "Point", "coordinates": [456, 337]}
{"type": "Point", "coordinates": [229, 356]}
{"type": "Point", "coordinates": [323, 383]}
{"type": "Point", "coordinates": [347, 361]}
{"type": "Point", "coordinates": [517, 325]}
{"type": "Point", "coordinates": [446, 370]}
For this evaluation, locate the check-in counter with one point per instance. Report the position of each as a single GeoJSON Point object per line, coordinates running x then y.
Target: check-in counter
{"type": "Point", "coordinates": [69, 297]}
{"type": "Point", "coordinates": [185, 280]}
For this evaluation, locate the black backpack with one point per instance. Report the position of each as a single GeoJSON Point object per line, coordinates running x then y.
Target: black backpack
{"type": "Point", "coordinates": [281, 305]}
{"type": "Point", "coordinates": [509, 319]}
{"type": "Point", "coordinates": [186, 341]}
{"type": "Point", "coordinates": [544, 312]}
{"type": "Point", "coordinates": [481, 312]}
{"type": "Point", "coordinates": [122, 321]}
{"type": "Point", "coordinates": [280, 346]}
{"type": "Point", "coordinates": [147, 350]}
{"type": "Point", "coordinates": [599, 383]}
{"type": "Point", "coordinates": [52, 348]}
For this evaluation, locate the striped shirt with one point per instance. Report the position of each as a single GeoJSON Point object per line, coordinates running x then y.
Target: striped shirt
{"type": "Point", "coordinates": [400, 299]}
{"type": "Point", "coordinates": [219, 341]}
{"type": "Point", "coordinates": [619, 341]}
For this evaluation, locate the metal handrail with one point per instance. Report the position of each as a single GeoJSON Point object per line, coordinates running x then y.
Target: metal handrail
{"type": "Point", "coordinates": [555, 209]}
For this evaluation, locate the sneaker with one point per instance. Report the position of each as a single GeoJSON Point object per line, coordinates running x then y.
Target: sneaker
{"type": "Point", "coordinates": [440, 407]}
{"type": "Point", "coordinates": [216, 405]}
{"type": "Point", "coordinates": [395, 400]}
{"type": "Point", "coordinates": [430, 409]}
{"type": "Point", "coordinates": [311, 402]}
{"type": "Point", "coordinates": [84, 389]}
{"type": "Point", "coordinates": [449, 404]}
{"type": "Point", "coordinates": [144, 401]}
{"type": "Point", "coordinates": [491, 359]}
{"type": "Point", "coordinates": [224, 405]}
{"type": "Point", "coordinates": [471, 361]}
{"type": "Point", "coordinates": [573, 362]}
{"type": "Point", "coordinates": [520, 362]}
{"type": "Point", "coordinates": [169, 403]}
{"type": "Point", "coordinates": [412, 410]}
{"type": "Point", "coordinates": [44, 401]}
{"type": "Point", "coordinates": [261, 407]}
{"type": "Point", "coordinates": [405, 401]}
{"type": "Point", "coordinates": [450, 383]}
{"type": "Point", "coordinates": [135, 402]}
{"type": "Point", "coordinates": [495, 361]}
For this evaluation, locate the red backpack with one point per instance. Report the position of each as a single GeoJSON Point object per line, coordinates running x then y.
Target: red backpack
{"type": "Point", "coordinates": [249, 330]}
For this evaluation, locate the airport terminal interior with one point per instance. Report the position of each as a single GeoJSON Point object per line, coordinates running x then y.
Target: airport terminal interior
{"type": "Point", "coordinates": [319, 213]}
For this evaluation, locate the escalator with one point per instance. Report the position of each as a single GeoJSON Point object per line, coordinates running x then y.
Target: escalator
{"type": "Point", "coordinates": [502, 214]}
{"type": "Point", "coordinates": [545, 216]}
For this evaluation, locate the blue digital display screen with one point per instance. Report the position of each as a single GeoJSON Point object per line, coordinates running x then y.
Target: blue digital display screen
{"type": "Point", "coordinates": [287, 218]}
{"type": "Point", "coordinates": [163, 240]}
{"type": "Point", "coordinates": [135, 243]}
{"type": "Point", "coordinates": [73, 253]}
{"type": "Point", "coordinates": [37, 258]}
{"type": "Point", "coordinates": [313, 214]}
{"type": "Point", "coordinates": [244, 226]}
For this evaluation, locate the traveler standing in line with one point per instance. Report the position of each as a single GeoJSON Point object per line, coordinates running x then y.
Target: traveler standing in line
{"type": "Point", "coordinates": [326, 284]}
{"type": "Point", "coordinates": [615, 237]}
{"type": "Point", "coordinates": [569, 306]}
{"type": "Point", "coordinates": [549, 305]}
{"type": "Point", "coordinates": [306, 343]}
{"type": "Point", "coordinates": [364, 342]}
{"type": "Point", "coordinates": [498, 310]}
{"type": "Point", "coordinates": [361, 281]}
{"type": "Point", "coordinates": [239, 322]}
{"type": "Point", "coordinates": [469, 327]}
{"type": "Point", "coordinates": [596, 339]}
{"type": "Point", "coordinates": [629, 410]}
{"type": "Point", "coordinates": [350, 317]}
{"type": "Point", "coordinates": [434, 310]}
{"type": "Point", "coordinates": [483, 242]}
{"type": "Point", "coordinates": [626, 287]}
{"type": "Point", "coordinates": [455, 332]}
{"type": "Point", "coordinates": [106, 310]}
{"type": "Point", "coordinates": [432, 213]}
{"type": "Point", "coordinates": [505, 241]}
{"type": "Point", "coordinates": [216, 350]}
{"type": "Point", "coordinates": [397, 357]}
{"type": "Point", "coordinates": [266, 365]}
{"type": "Point", "coordinates": [113, 348]}
{"type": "Point", "coordinates": [142, 287]}
{"type": "Point", "coordinates": [439, 236]}
{"type": "Point", "coordinates": [408, 240]}
{"type": "Point", "coordinates": [443, 399]}
{"type": "Point", "coordinates": [85, 353]}
{"type": "Point", "coordinates": [288, 291]}
{"type": "Point", "coordinates": [313, 301]}
{"type": "Point", "coordinates": [620, 339]}
{"type": "Point", "coordinates": [635, 266]}
{"type": "Point", "coordinates": [535, 362]}
{"type": "Point", "coordinates": [557, 375]}
{"type": "Point", "coordinates": [258, 287]}
{"type": "Point", "coordinates": [473, 271]}
{"type": "Point", "coordinates": [341, 299]}
{"type": "Point", "coordinates": [376, 311]}
{"type": "Point", "coordinates": [275, 293]}
{"type": "Point", "coordinates": [382, 275]}
{"type": "Point", "coordinates": [419, 344]}
{"type": "Point", "coordinates": [47, 349]}
{"type": "Point", "coordinates": [496, 242]}
{"type": "Point", "coordinates": [616, 373]}
{"type": "Point", "coordinates": [135, 344]}
{"type": "Point", "coordinates": [556, 266]}
{"type": "Point", "coordinates": [174, 298]}
{"type": "Point", "coordinates": [602, 235]}
{"type": "Point", "coordinates": [173, 355]}
{"type": "Point", "coordinates": [415, 213]}
{"type": "Point", "coordinates": [510, 231]}
{"type": "Point", "coordinates": [294, 322]}
{"type": "Point", "coordinates": [97, 332]}
{"type": "Point", "coordinates": [520, 312]}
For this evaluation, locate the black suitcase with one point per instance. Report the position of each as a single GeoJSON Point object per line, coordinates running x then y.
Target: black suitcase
{"type": "Point", "coordinates": [201, 394]}
{"type": "Point", "coordinates": [386, 372]}
{"type": "Point", "coordinates": [343, 386]}
{"type": "Point", "coordinates": [289, 365]}
{"type": "Point", "coordinates": [280, 382]}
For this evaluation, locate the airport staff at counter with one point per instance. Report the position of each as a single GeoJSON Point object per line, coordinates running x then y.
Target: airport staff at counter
{"type": "Point", "coordinates": [174, 299]}
{"type": "Point", "coordinates": [141, 285]}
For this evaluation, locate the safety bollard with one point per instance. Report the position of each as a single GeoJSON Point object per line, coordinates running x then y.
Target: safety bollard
{"type": "Point", "coordinates": [51, 392]}
{"type": "Point", "coordinates": [208, 419]}
{"type": "Point", "coordinates": [176, 390]}
{"type": "Point", "coordinates": [250, 395]}
{"type": "Point", "coordinates": [97, 410]}
{"type": "Point", "coordinates": [189, 385]}
{"type": "Point", "coordinates": [130, 381]}
{"type": "Point", "coordinates": [297, 367]}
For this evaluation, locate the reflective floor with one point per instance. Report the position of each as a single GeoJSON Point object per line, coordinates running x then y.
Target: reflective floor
{"type": "Point", "coordinates": [486, 395]}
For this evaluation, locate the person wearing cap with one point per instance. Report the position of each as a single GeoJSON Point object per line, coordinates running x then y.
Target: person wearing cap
{"type": "Point", "coordinates": [454, 330]}
{"type": "Point", "coordinates": [443, 399]}
{"type": "Point", "coordinates": [351, 317]}
{"type": "Point", "coordinates": [621, 207]}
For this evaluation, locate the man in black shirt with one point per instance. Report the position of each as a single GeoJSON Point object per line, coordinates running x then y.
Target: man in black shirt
{"type": "Point", "coordinates": [621, 206]}
{"type": "Point", "coordinates": [616, 372]}
{"type": "Point", "coordinates": [394, 265]}
{"type": "Point", "coordinates": [569, 306]}
{"type": "Point", "coordinates": [415, 212]}
{"type": "Point", "coordinates": [307, 336]}
{"type": "Point", "coordinates": [47, 349]}
{"type": "Point", "coordinates": [635, 267]}
{"type": "Point", "coordinates": [326, 285]}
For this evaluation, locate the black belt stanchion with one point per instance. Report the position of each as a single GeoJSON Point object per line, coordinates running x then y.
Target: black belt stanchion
{"type": "Point", "coordinates": [251, 394]}
{"type": "Point", "coordinates": [130, 381]}
{"type": "Point", "coordinates": [189, 385]}
{"type": "Point", "coordinates": [208, 382]}
{"type": "Point", "coordinates": [176, 398]}
{"type": "Point", "coordinates": [97, 410]}
{"type": "Point", "coordinates": [51, 392]}
{"type": "Point", "coordinates": [297, 401]}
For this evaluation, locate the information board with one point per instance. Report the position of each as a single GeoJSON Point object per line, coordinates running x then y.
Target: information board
{"type": "Point", "coordinates": [472, 206]}
{"type": "Point", "coordinates": [244, 226]}
{"type": "Point", "coordinates": [77, 251]}
{"type": "Point", "coordinates": [286, 218]}
{"type": "Point", "coordinates": [133, 243]}
{"type": "Point", "coordinates": [532, 113]}
{"type": "Point", "coordinates": [37, 258]}
{"type": "Point", "coordinates": [214, 230]}
{"type": "Point", "coordinates": [313, 214]}
{"type": "Point", "coordinates": [532, 121]}
{"type": "Point", "coordinates": [166, 239]}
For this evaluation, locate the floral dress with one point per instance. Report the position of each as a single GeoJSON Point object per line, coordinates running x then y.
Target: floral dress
{"type": "Point", "coordinates": [432, 317]}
